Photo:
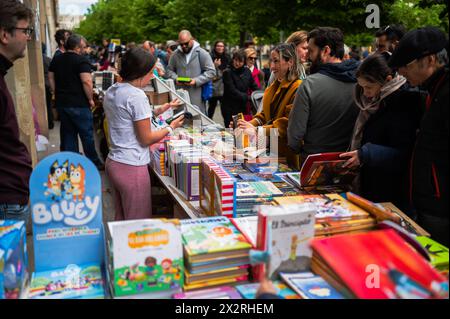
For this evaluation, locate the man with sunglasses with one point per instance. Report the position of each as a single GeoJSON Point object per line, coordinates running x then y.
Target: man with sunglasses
{"type": "Point", "coordinates": [422, 58]}
{"type": "Point", "coordinates": [15, 161]}
{"type": "Point", "coordinates": [191, 61]}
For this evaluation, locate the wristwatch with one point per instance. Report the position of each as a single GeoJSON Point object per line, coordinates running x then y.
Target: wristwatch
{"type": "Point", "coordinates": [170, 129]}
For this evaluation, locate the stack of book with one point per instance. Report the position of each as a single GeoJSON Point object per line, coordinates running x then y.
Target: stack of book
{"type": "Point", "coordinates": [249, 195]}
{"type": "Point", "coordinates": [170, 148]}
{"type": "Point", "coordinates": [216, 189]}
{"type": "Point", "coordinates": [186, 172]}
{"type": "Point", "coordinates": [144, 258]}
{"type": "Point", "coordinates": [216, 253]}
{"type": "Point", "coordinates": [334, 214]}
{"type": "Point", "coordinates": [376, 265]}
{"type": "Point", "coordinates": [157, 158]}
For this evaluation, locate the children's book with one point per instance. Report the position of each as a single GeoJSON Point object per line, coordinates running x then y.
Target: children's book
{"type": "Point", "coordinates": [376, 265]}
{"type": "Point", "coordinates": [232, 280]}
{"type": "Point", "coordinates": [213, 293]}
{"type": "Point", "coordinates": [71, 282]}
{"type": "Point", "coordinates": [215, 236]}
{"type": "Point", "coordinates": [14, 263]}
{"type": "Point", "coordinates": [248, 227]}
{"type": "Point", "coordinates": [310, 286]}
{"type": "Point", "coordinates": [145, 256]}
{"type": "Point", "coordinates": [328, 206]}
{"type": "Point", "coordinates": [437, 252]}
{"type": "Point", "coordinates": [216, 274]}
{"type": "Point", "coordinates": [291, 229]}
{"type": "Point", "coordinates": [248, 291]}
{"type": "Point", "coordinates": [257, 189]}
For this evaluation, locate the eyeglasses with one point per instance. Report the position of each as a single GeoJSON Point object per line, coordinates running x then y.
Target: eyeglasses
{"type": "Point", "coordinates": [27, 31]}
{"type": "Point", "coordinates": [173, 47]}
{"type": "Point", "coordinates": [251, 58]}
{"type": "Point", "coordinates": [185, 44]}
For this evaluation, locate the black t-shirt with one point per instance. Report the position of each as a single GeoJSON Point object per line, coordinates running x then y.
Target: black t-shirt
{"type": "Point", "coordinates": [68, 87]}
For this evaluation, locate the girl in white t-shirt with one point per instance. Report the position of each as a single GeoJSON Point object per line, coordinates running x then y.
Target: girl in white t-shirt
{"type": "Point", "coordinates": [128, 113]}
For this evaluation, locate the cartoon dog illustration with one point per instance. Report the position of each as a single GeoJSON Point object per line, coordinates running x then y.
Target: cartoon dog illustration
{"type": "Point", "coordinates": [77, 179]}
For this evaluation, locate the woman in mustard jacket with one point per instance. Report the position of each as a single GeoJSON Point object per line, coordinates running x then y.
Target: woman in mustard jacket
{"type": "Point", "coordinates": [278, 100]}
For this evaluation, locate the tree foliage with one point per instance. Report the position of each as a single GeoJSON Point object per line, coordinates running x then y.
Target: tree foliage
{"type": "Point", "coordinates": [235, 20]}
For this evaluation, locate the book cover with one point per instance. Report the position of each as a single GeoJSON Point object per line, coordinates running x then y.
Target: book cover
{"type": "Point", "coordinates": [437, 252]}
{"type": "Point", "coordinates": [310, 286]}
{"type": "Point", "coordinates": [324, 169]}
{"type": "Point", "coordinates": [66, 210]}
{"type": "Point", "coordinates": [71, 282]}
{"type": "Point", "coordinates": [248, 291]}
{"type": "Point", "coordinates": [248, 226]}
{"type": "Point", "coordinates": [145, 256]}
{"type": "Point", "coordinates": [257, 189]}
{"type": "Point", "coordinates": [385, 266]}
{"type": "Point", "coordinates": [211, 235]}
{"type": "Point", "coordinates": [328, 206]}
{"type": "Point", "coordinates": [213, 293]}
{"type": "Point", "coordinates": [292, 228]}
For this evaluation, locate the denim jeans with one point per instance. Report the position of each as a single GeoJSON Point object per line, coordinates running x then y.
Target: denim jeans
{"type": "Point", "coordinates": [15, 212]}
{"type": "Point", "coordinates": [78, 121]}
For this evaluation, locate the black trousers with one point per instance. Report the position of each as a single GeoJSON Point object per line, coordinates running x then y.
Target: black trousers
{"type": "Point", "coordinates": [212, 103]}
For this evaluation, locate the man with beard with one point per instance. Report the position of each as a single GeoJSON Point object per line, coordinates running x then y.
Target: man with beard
{"type": "Point", "coordinates": [324, 113]}
{"type": "Point", "coordinates": [191, 61]}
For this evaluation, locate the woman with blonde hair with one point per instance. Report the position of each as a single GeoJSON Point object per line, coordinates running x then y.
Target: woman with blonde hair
{"type": "Point", "coordinates": [278, 99]}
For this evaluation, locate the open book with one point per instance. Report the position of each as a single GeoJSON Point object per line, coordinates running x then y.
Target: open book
{"type": "Point", "coordinates": [323, 169]}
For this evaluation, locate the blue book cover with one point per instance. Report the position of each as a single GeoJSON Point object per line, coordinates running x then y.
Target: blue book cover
{"type": "Point", "coordinates": [310, 286]}
{"type": "Point", "coordinates": [248, 291]}
{"type": "Point", "coordinates": [66, 210]}
{"type": "Point", "coordinates": [71, 282]}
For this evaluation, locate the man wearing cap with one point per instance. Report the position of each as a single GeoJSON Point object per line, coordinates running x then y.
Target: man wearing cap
{"type": "Point", "coordinates": [421, 57]}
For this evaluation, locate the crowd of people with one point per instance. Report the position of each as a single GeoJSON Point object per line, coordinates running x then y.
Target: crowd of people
{"type": "Point", "coordinates": [387, 111]}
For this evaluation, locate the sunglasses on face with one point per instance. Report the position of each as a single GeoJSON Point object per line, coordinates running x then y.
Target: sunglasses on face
{"type": "Point", "coordinates": [252, 58]}
{"type": "Point", "coordinates": [185, 44]}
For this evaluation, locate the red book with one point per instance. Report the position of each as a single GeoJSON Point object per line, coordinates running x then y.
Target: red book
{"type": "Point", "coordinates": [352, 262]}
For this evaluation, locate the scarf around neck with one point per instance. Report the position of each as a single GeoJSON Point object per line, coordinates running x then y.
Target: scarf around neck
{"type": "Point", "coordinates": [369, 107]}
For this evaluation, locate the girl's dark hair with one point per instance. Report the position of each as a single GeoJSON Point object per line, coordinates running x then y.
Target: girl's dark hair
{"type": "Point", "coordinates": [136, 63]}
{"type": "Point", "coordinates": [240, 55]}
{"type": "Point", "coordinates": [374, 68]}
{"type": "Point", "coordinates": [220, 41]}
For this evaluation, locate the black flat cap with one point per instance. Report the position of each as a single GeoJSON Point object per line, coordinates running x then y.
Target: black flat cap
{"type": "Point", "coordinates": [416, 44]}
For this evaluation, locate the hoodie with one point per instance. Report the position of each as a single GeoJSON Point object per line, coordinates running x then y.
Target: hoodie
{"type": "Point", "coordinates": [324, 113]}
{"type": "Point", "coordinates": [344, 71]}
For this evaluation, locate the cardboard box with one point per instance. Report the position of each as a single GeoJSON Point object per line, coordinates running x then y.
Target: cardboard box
{"type": "Point", "coordinates": [157, 99]}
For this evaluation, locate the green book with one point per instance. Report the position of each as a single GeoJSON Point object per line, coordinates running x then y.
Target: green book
{"type": "Point", "coordinates": [215, 236]}
{"type": "Point", "coordinates": [184, 79]}
{"type": "Point", "coordinates": [438, 253]}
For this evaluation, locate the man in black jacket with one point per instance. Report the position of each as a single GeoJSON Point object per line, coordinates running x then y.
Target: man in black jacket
{"type": "Point", "coordinates": [422, 58]}
{"type": "Point", "coordinates": [15, 161]}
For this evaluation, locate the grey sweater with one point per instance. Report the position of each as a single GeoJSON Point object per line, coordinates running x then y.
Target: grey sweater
{"type": "Point", "coordinates": [323, 116]}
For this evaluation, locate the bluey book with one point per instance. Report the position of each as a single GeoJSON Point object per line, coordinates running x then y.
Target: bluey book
{"type": "Point", "coordinates": [310, 286]}
{"type": "Point", "coordinates": [71, 282]}
{"type": "Point", "coordinates": [285, 232]}
{"type": "Point", "coordinates": [248, 291]}
{"type": "Point", "coordinates": [146, 256]}
{"type": "Point", "coordinates": [214, 236]}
